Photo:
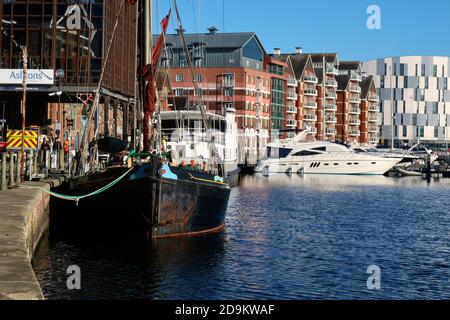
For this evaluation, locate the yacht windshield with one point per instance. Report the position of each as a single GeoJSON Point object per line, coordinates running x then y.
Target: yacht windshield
{"type": "Point", "coordinates": [278, 152]}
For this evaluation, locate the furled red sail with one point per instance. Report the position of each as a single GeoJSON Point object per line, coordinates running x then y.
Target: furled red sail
{"type": "Point", "coordinates": [150, 74]}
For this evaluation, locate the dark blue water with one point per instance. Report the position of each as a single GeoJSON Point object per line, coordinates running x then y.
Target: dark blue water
{"type": "Point", "coordinates": [286, 238]}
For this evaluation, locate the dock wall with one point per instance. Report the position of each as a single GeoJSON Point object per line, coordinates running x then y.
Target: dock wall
{"type": "Point", "coordinates": [24, 217]}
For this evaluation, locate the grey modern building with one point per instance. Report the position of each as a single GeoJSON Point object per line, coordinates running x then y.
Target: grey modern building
{"type": "Point", "coordinates": [415, 98]}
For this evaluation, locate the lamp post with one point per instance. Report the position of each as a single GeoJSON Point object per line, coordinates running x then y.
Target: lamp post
{"type": "Point", "coordinates": [24, 110]}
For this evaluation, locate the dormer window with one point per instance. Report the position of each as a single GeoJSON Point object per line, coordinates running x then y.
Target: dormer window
{"type": "Point", "coordinates": [198, 54]}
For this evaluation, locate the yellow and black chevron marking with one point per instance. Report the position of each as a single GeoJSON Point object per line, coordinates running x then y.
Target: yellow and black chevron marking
{"type": "Point", "coordinates": [14, 139]}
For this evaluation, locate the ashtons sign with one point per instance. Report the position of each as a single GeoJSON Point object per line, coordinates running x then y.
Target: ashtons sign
{"type": "Point", "coordinates": [34, 76]}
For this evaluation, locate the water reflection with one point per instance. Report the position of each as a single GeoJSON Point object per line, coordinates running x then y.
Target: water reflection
{"type": "Point", "coordinates": [309, 237]}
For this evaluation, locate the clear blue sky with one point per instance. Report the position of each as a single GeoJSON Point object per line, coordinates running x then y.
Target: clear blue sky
{"type": "Point", "coordinates": [409, 27]}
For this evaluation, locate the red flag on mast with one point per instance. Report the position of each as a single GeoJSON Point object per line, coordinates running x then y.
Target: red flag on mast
{"type": "Point", "coordinates": [150, 74]}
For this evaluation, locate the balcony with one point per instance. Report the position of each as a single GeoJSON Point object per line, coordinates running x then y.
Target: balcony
{"type": "Point", "coordinates": [354, 122]}
{"type": "Point", "coordinates": [331, 83]}
{"type": "Point", "coordinates": [355, 76]}
{"type": "Point", "coordinates": [291, 110]}
{"type": "Point", "coordinates": [331, 70]}
{"type": "Point", "coordinates": [374, 119]}
{"type": "Point", "coordinates": [331, 95]}
{"type": "Point", "coordinates": [374, 140]}
{"type": "Point", "coordinates": [374, 109]}
{"type": "Point", "coordinates": [292, 96]}
{"type": "Point", "coordinates": [310, 117]}
{"type": "Point", "coordinates": [374, 98]}
{"type": "Point", "coordinates": [310, 79]}
{"type": "Point", "coordinates": [331, 108]}
{"type": "Point", "coordinates": [354, 133]}
{"type": "Point", "coordinates": [310, 105]}
{"type": "Point", "coordinates": [355, 89]}
{"type": "Point", "coordinates": [356, 111]}
{"type": "Point", "coordinates": [310, 92]}
{"type": "Point", "coordinates": [374, 129]}
{"type": "Point", "coordinates": [330, 132]}
{"type": "Point", "coordinates": [291, 123]}
{"type": "Point", "coordinates": [354, 99]}
{"type": "Point", "coordinates": [312, 130]}
{"type": "Point", "coordinates": [331, 120]}
{"type": "Point", "coordinates": [292, 83]}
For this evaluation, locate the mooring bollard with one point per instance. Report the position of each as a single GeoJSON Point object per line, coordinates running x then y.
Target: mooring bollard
{"type": "Point", "coordinates": [19, 167]}
{"type": "Point", "coordinates": [35, 162]}
{"type": "Point", "coordinates": [62, 165]}
{"type": "Point", "coordinates": [3, 183]}
{"type": "Point", "coordinates": [11, 170]}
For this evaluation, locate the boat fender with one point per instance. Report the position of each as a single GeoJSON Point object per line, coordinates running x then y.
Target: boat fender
{"type": "Point", "coordinates": [289, 171]}
{"type": "Point", "coordinates": [301, 171]}
{"type": "Point", "coordinates": [166, 173]}
{"type": "Point", "coordinates": [218, 179]}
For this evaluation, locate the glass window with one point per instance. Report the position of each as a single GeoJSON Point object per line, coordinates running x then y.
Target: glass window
{"type": "Point", "coordinates": [305, 153]}
{"type": "Point", "coordinates": [434, 70]}
{"type": "Point", "coordinates": [252, 50]}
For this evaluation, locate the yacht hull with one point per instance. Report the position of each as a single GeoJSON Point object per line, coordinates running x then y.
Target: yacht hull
{"type": "Point", "coordinates": [344, 166]}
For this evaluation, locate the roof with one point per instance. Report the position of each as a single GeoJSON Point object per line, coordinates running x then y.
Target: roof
{"type": "Point", "coordinates": [349, 65]}
{"type": "Point", "coordinates": [299, 63]}
{"type": "Point", "coordinates": [366, 83]}
{"type": "Point", "coordinates": [216, 40]}
{"type": "Point", "coordinates": [343, 81]}
{"type": "Point", "coordinates": [329, 57]}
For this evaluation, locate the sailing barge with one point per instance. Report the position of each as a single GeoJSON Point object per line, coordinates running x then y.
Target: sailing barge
{"type": "Point", "coordinates": [148, 194]}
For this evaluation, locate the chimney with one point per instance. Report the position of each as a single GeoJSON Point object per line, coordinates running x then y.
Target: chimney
{"type": "Point", "coordinates": [298, 50]}
{"type": "Point", "coordinates": [213, 30]}
{"type": "Point", "coordinates": [276, 52]}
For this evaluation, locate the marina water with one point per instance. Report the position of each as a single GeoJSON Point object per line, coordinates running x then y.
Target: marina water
{"type": "Point", "coordinates": [309, 237]}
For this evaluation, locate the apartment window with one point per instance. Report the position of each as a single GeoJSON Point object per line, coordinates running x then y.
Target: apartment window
{"type": "Point", "coordinates": [415, 119]}
{"type": "Point", "coordinates": [405, 131]}
{"type": "Point", "coordinates": [402, 69]}
{"type": "Point", "coordinates": [417, 70]}
{"type": "Point", "coordinates": [197, 92]}
{"type": "Point", "coordinates": [436, 132]}
{"type": "Point", "coordinates": [446, 84]}
{"type": "Point", "coordinates": [435, 68]}
{"type": "Point", "coordinates": [385, 69]}
{"type": "Point", "coordinates": [423, 70]}
{"type": "Point", "coordinates": [182, 61]}
{"type": "Point", "coordinates": [198, 78]}
{"type": "Point", "coordinates": [179, 78]}
{"type": "Point", "coordinates": [394, 71]}
{"type": "Point", "coordinates": [443, 71]}
{"type": "Point", "coordinates": [178, 92]}
{"type": "Point", "coordinates": [405, 82]}
{"type": "Point", "coordinates": [435, 108]}
{"type": "Point", "coordinates": [382, 84]}
{"type": "Point", "coordinates": [228, 92]}
{"type": "Point", "coordinates": [427, 82]}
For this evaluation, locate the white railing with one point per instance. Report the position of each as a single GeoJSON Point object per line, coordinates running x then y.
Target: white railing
{"type": "Point", "coordinates": [331, 83]}
{"type": "Point", "coordinates": [311, 79]}
{"type": "Point", "coordinates": [374, 109]}
{"type": "Point", "coordinates": [354, 122]}
{"type": "Point", "coordinates": [331, 107]}
{"type": "Point", "coordinates": [355, 111]}
{"type": "Point", "coordinates": [355, 76]}
{"type": "Point", "coordinates": [292, 96]}
{"type": "Point", "coordinates": [291, 123]}
{"type": "Point", "coordinates": [375, 98]}
{"type": "Point", "coordinates": [330, 132]}
{"type": "Point", "coordinates": [373, 129]}
{"type": "Point", "coordinates": [292, 82]}
{"type": "Point", "coordinates": [331, 95]}
{"type": "Point", "coordinates": [330, 69]}
{"type": "Point", "coordinates": [310, 117]}
{"type": "Point", "coordinates": [355, 89]}
{"type": "Point", "coordinates": [331, 119]}
{"type": "Point", "coordinates": [356, 133]}
{"type": "Point", "coordinates": [310, 92]}
{"type": "Point", "coordinates": [310, 105]}
{"type": "Point", "coordinates": [291, 109]}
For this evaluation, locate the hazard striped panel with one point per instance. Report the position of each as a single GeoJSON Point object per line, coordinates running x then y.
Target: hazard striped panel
{"type": "Point", "coordinates": [14, 140]}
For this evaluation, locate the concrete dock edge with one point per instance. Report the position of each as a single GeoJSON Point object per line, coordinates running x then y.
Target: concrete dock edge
{"type": "Point", "coordinates": [24, 217]}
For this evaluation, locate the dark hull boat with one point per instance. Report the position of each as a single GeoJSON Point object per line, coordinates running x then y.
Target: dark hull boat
{"type": "Point", "coordinates": [162, 203]}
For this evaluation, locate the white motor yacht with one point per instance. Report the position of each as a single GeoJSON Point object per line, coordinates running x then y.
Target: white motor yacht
{"type": "Point", "coordinates": [295, 156]}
